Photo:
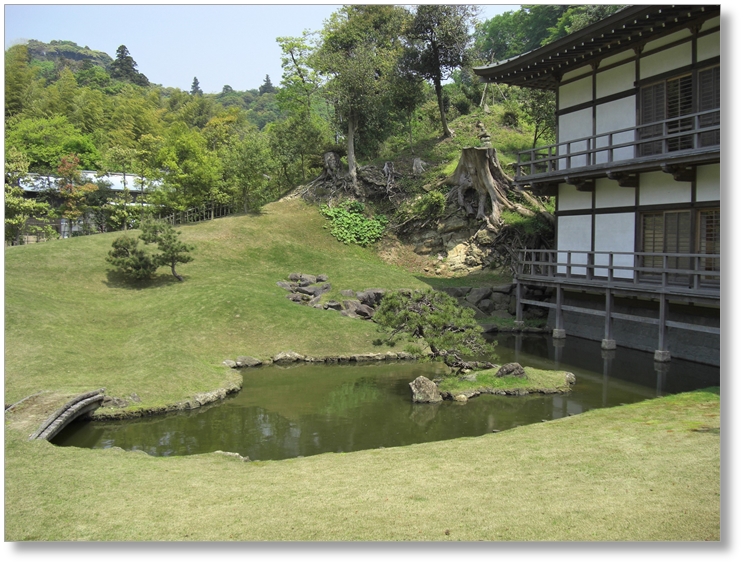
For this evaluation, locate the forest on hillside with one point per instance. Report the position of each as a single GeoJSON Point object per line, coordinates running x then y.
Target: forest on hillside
{"type": "Point", "coordinates": [375, 82]}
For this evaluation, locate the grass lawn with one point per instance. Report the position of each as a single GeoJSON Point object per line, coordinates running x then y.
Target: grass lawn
{"type": "Point", "coordinates": [534, 381]}
{"type": "Point", "coordinates": [72, 324]}
{"type": "Point", "coordinates": [648, 471]}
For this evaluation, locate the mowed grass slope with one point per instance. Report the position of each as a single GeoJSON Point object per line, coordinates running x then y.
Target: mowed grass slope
{"type": "Point", "coordinates": [72, 324]}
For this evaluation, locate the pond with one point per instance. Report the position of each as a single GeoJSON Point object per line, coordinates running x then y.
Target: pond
{"type": "Point", "coordinates": [302, 410]}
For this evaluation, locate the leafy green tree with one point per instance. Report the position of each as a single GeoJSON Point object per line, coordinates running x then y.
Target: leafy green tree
{"type": "Point", "coordinates": [437, 42]}
{"type": "Point", "coordinates": [247, 163]}
{"type": "Point", "coordinates": [18, 78]}
{"type": "Point", "coordinates": [539, 110]}
{"type": "Point", "coordinates": [46, 140]}
{"type": "Point", "coordinates": [88, 110]}
{"type": "Point", "coordinates": [360, 45]}
{"type": "Point", "coordinates": [191, 170]}
{"type": "Point", "coordinates": [73, 190]}
{"type": "Point", "coordinates": [18, 209]}
{"type": "Point", "coordinates": [578, 17]}
{"type": "Point", "coordinates": [301, 83]}
{"type": "Point", "coordinates": [513, 33]}
{"type": "Point", "coordinates": [435, 317]}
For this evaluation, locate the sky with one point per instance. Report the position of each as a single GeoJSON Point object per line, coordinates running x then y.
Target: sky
{"type": "Point", "coordinates": [225, 44]}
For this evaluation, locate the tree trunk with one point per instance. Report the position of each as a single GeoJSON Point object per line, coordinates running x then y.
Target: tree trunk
{"type": "Point", "coordinates": [447, 132]}
{"type": "Point", "coordinates": [350, 155]}
{"type": "Point", "coordinates": [175, 274]}
{"type": "Point", "coordinates": [480, 170]}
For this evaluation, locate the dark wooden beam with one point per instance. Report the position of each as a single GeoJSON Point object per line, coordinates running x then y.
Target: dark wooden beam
{"type": "Point", "coordinates": [680, 172]}
{"type": "Point", "coordinates": [624, 179]}
{"type": "Point", "coordinates": [582, 185]}
{"type": "Point", "coordinates": [543, 188]}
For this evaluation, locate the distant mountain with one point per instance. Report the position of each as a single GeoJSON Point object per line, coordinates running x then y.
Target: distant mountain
{"type": "Point", "coordinates": [69, 51]}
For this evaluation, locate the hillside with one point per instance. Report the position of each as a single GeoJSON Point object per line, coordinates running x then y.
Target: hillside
{"type": "Point", "coordinates": [71, 324]}
{"type": "Point", "coordinates": [68, 52]}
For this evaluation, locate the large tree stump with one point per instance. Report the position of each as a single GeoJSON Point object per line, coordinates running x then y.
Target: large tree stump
{"type": "Point", "coordinates": [480, 170]}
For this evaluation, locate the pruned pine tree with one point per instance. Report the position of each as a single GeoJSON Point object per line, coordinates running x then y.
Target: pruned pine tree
{"type": "Point", "coordinates": [450, 331]}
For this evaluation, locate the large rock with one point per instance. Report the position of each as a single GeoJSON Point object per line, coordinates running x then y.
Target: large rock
{"type": "Point", "coordinates": [478, 294]}
{"type": "Point", "coordinates": [458, 291]}
{"type": "Point", "coordinates": [371, 297]}
{"type": "Point", "coordinates": [424, 390]}
{"type": "Point", "coordinates": [503, 288]}
{"type": "Point", "coordinates": [511, 369]}
{"type": "Point", "coordinates": [245, 361]}
{"type": "Point", "coordinates": [451, 224]}
{"type": "Point", "coordinates": [355, 309]}
{"type": "Point", "coordinates": [287, 357]}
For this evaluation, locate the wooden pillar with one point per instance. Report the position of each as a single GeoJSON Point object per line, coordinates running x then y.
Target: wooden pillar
{"type": "Point", "coordinates": [662, 354]}
{"type": "Point", "coordinates": [559, 332]}
{"type": "Point", "coordinates": [519, 322]}
{"type": "Point", "coordinates": [608, 342]}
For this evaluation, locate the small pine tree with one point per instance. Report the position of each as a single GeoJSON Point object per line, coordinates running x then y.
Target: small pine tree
{"type": "Point", "coordinates": [266, 87]}
{"type": "Point", "coordinates": [138, 262]}
{"type": "Point", "coordinates": [131, 259]}
{"type": "Point", "coordinates": [195, 89]}
{"type": "Point", "coordinates": [172, 250]}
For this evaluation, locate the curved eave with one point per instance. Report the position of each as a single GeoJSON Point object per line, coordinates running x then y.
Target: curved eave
{"type": "Point", "coordinates": [543, 68]}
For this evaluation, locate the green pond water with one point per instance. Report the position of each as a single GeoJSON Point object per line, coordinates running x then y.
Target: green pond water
{"type": "Point", "coordinates": [303, 410]}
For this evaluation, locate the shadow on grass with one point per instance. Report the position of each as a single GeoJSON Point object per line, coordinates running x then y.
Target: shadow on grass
{"type": "Point", "coordinates": [116, 279]}
{"type": "Point", "coordinates": [481, 279]}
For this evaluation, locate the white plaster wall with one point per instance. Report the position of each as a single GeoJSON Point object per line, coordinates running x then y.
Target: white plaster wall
{"type": "Point", "coordinates": [667, 60]}
{"type": "Point", "coordinates": [614, 232]}
{"type": "Point", "coordinates": [574, 233]}
{"type": "Point", "coordinates": [711, 23]}
{"type": "Point", "coordinates": [661, 188]}
{"type": "Point", "coordinates": [608, 194]}
{"type": "Point", "coordinates": [708, 183]}
{"type": "Point", "coordinates": [571, 199]}
{"type": "Point", "coordinates": [666, 40]}
{"type": "Point", "coordinates": [709, 46]}
{"type": "Point", "coordinates": [587, 69]}
{"type": "Point", "coordinates": [576, 92]}
{"type": "Point", "coordinates": [629, 55]}
{"type": "Point", "coordinates": [615, 80]}
{"type": "Point", "coordinates": [576, 125]}
{"type": "Point", "coordinates": [611, 117]}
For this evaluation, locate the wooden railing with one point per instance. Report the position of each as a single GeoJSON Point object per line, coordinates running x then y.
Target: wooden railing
{"type": "Point", "coordinates": [688, 273]}
{"type": "Point", "coordinates": [672, 136]}
{"type": "Point", "coordinates": [201, 213]}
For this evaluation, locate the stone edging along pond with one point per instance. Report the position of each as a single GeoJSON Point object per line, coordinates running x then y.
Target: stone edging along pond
{"type": "Point", "coordinates": [235, 383]}
{"type": "Point", "coordinates": [114, 408]}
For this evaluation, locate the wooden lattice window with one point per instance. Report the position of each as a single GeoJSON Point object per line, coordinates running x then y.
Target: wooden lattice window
{"type": "Point", "coordinates": [662, 101]}
{"type": "Point", "coordinates": [709, 238]}
{"type": "Point", "coordinates": [709, 101]}
{"type": "Point", "coordinates": [666, 233]}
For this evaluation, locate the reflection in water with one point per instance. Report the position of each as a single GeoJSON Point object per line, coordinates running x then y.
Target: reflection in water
{"type": "Point", "coordinates": [303, 410]}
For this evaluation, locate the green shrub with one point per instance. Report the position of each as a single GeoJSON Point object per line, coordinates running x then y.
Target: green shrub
{"type": "Point", "coordinates": [349, 224]}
